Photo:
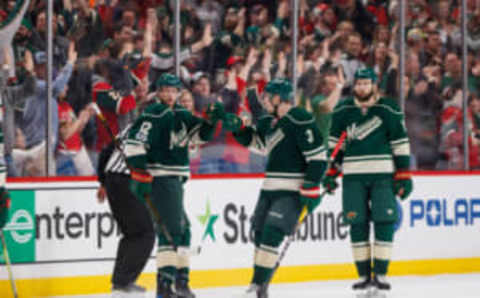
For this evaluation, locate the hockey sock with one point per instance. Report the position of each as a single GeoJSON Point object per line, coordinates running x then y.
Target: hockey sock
{"type": "Point", "coordinates": [183, 266]}
{"type": "Point", "coordinates": [382, 249]}
{"type": "Point", "coordinates": [183, 259]}
{"type": "Point", "coordinates": [267, 254]}
{"type": "Point", "coordinates": [166, 263]}
{"type": "Point", "coordinates": [257, 240]}
{"type": "Point", "coordinates": [359, 234]}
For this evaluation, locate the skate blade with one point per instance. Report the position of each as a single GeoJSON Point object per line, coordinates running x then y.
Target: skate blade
{"type": "Point", "coordinates": [121, 294]}
{"type": "Point", "coordinates": [362, 293]}
{"type": "Point", "coordinates": [183, 295]}
{"type": "Point", "coordinates": [246, 295]}
{"type": "Point", "coordinates": [376, 293]}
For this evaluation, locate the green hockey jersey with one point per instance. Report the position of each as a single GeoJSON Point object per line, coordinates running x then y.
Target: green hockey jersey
{"type": "Point", "coordinates": [294, 146]}
{"type": "Point", "coordinates": [158, 140]}
{"type": "Point", "coordinates": [377, 141]}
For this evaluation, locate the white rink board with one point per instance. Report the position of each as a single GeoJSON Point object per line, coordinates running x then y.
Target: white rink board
{"type": "Point", "coordinates": [428, 235]}
{"type": "Point", "coordinates": [445, 224]}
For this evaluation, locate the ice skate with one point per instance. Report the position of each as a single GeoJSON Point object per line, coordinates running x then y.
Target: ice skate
{"type": "Point", "coordinates": [255, 291]}
{"type": "Point", "coordinates": [380, 287]}
{"type": "Point", "coordinates": [166, 290]}
{"type": "Point", "coordinates": [362, 288]}
{"type": "Point", "coordinates": [183, 290]}
{"type": "Point", "coordinates": [130, 291]}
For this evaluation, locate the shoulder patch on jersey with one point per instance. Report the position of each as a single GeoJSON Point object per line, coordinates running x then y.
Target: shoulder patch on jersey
{"type": "Point", "coordinates": [156, 110]}
{"type": "Point", "coordinates": [389, 104]}
{"type": "Point", "coordinates": [180, 110]}
{"type": "Point", "coordinates": [299, 116]}
{"type": "Point", "coordinates": [344, 104]}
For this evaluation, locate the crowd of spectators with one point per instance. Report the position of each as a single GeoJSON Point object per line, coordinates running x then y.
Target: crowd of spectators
{"type": "Point", "coordinates": [111, 52]}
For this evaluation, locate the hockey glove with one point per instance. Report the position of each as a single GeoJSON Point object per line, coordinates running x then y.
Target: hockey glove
{"type": "Point", "coordinates": [141, 184]}
{"type": "Point", "coordinates": [402, 184]}
{"type": "Point", "coordinates": [215, 112]}
{"type": "Point", "coordinates": [310, 195]}
{"type": "Point", "coordinates": [232, 122]}
{"type": "Point", "coordinates": [4, 206]}
{"type": "Point", "coordinates": [330, 181]}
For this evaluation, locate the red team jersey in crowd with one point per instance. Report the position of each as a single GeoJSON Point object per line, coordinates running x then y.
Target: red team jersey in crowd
{"type": "Point", "coordinates": [452, 127]}
{"type": "Point", "coordinates": [67, 115]}
{"type": "Point", "coordinates": [112, 104]}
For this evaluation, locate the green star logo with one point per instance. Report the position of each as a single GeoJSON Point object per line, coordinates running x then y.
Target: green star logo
{"type": "Point", "coordinates": [208, 220]}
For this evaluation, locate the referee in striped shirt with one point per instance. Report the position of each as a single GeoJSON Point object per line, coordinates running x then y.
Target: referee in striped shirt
{"type": "Point", "coordinates": [131, 214]}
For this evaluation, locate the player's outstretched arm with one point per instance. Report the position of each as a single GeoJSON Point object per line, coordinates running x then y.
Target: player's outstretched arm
{"type": "Point", "coordinates": [201, 129]}
{"type": "Point", "coordinates": [249, 136]}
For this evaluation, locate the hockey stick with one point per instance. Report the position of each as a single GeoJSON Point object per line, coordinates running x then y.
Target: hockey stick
{"type": "Point", "coordinates": [193, 250]}
{"type": "Point", "coordinates": [9, 265]}
{"type": "Point", "coordinates": [302, 216]}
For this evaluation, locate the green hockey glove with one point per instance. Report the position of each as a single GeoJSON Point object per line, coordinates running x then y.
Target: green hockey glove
{"type": "Point", "coordinates": [140, 183]}
{"type": "Point", "coordinates": [402, 184]}
{"type": "Point", "coordinates": [330, 181]}
{"type": "Point", "coordinates": [232, 122]}
{"type": "Point", "coordinates": [215, 112]}
{"type": "Point", "coordinates": [310, 195]}
{"type": "Point", "coordinates": [4, 206]}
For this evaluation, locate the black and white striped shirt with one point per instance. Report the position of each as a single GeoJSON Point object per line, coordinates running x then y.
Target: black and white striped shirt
{"type": "Point", "coordinates": [116, 163]}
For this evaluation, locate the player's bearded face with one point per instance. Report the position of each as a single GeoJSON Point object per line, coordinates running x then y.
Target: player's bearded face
{"type": "Point", "coordinates": [168, 95]}
{"type": "Point", "coordinates": [363, 90]}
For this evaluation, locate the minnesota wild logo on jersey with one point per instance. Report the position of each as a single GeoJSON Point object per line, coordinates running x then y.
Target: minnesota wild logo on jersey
{"type": "Point", "coordinates": [377, 141]}
{"type": "Point", "coordinates": [179, 138]}
{"type": "Point", "coordinates": [362, 130]}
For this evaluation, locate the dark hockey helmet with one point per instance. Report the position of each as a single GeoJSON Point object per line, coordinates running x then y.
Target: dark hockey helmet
{"type": "Point", "coordinates": [168, 80]}
{"type": "Point", "coordinates": [281, 87]}
{"type": "Point", "coordinates": [365, 73]}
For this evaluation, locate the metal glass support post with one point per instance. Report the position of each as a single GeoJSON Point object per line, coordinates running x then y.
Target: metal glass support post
{"type": "Point", "coordinates": [466, 134]}
{"type": "Point", "coordinates": [294, 22]}
{"type": "Point", "coordinates": [401, 38]}
{"type": "Point", "coordinates": [49, 128]}
{"type": "Point", "coordinates": [177, 37]}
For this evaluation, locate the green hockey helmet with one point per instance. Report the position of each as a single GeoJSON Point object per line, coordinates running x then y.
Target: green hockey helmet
{"type": "Point", "coordinates": [168, 80]}
{"type": "Point", "coordinates": [365, 73]}
{"type": "Point", "coordinates": [281, 87]}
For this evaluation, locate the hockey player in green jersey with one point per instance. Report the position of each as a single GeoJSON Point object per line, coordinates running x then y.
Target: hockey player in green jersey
{"type": "Point", "coordinates": [296, 163]}
{"type": "Point", "coordinates": [157, 154]}
{"type": "Point", "coordinates": [375, 159]}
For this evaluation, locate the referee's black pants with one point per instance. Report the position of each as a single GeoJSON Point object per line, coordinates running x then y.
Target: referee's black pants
{"type": "Point", "coordinates": [136, 225]}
